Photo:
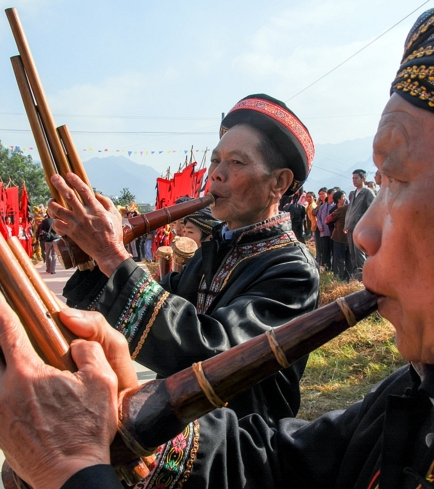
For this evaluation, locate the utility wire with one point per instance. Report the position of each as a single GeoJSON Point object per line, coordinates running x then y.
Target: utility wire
{"type": "Point", "coordinates": [356, 53]}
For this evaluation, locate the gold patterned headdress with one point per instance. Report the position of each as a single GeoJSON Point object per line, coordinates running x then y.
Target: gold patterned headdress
{"type": "Point", "coordinates": [415, 78]}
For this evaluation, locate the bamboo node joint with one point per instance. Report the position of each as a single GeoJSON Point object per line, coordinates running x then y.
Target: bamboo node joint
{"type": "Point", "coordinates": [347, 312]}
{"type": "Point", "coordinates": [277, 349]}
{"type": "Point", "coordinates": [206, 387]}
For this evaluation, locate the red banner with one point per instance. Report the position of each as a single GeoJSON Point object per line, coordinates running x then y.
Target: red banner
{"type": "Point", "coordinates": [164, 193]}
{"type": "Point", "coordinates": [183, 182]}
{"type": "Point", "coordinates": [198, 178]}
{"type": "Point", "coordinates": [12, 208]}
{"type": "Point", "coordinates": [207, 185]}
{"type": "Point", "coordinates": [2, 202]}
{"type": "Point", "coordinates": [23, 230]}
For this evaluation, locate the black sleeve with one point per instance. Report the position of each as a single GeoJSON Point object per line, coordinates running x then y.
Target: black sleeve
{"type": "Point", "coordinates": [95, 477]}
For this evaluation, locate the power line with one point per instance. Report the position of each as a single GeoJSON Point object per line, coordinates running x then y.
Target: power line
{"type": "Point", "coordinates": [101, 116]}
{"type": "Point", "coordinates": [356, 53]}
{"type": "Point", "coordinates": [153, 133]}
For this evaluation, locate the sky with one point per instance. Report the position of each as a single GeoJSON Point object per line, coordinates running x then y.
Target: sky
{"type": "Point", "coordinates": [149, 80]}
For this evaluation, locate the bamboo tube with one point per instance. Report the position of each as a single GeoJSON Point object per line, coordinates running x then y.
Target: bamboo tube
{"type": "Point", "coordinates": [36, 126]}
{"type": "Point", "coordinates": [33, 313]}
{"type": "Point", "coordinates": [159, 410]}
{"type": "Point", "coordinates": [38, 92]}
{"type": "Point", "coordinates": [50, 302]}
{"type": "Point", "coordinates": [72, 154]}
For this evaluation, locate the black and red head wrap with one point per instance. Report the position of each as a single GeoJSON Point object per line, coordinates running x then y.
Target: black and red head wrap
{"type": "Point", "coordinates": [273, 118]}
{"type": "Point", "coordinates": [415, 78]}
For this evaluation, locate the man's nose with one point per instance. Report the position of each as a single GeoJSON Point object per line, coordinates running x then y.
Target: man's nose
{"type": "Point", "coordinates": [219, 173]}
{"type": "Point", "coordinates": [368, 232]}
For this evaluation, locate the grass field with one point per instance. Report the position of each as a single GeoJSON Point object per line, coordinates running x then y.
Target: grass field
{"type": "Point", "coordinates": [343, 371]}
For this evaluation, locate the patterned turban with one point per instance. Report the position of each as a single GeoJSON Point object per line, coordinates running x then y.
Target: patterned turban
{"type": "Point", "coordinates": [273, 118]}
{"type": "Point", "coordinates": [415, 78]}
{"type": "Point", "coordinates": [203, 219]}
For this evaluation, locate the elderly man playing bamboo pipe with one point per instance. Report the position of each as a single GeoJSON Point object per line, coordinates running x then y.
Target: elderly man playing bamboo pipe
{"type": "Point", "coordinates": [252, 276]}
{"type": "Point", "coordinates": [55, 427]}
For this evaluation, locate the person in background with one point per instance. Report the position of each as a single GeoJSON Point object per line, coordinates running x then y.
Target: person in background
{"type": "Point", "coordinates": [9, 227]}
{"type": "Point", "coordinates": [23, 234]}
{"type": "Point", "coordinates": [177, 227]}
{"type": "Point", "coordinates": [46, 236]}
{"type": "Point", "coordinates": [377, 178]}
{"type": "Point", "coordinates": [148, 246]}
{"type": "Point", "coordinates": [372, 185]}
{"type": "Point", "coordinates": [341, 255]}
{"type": "Point", "coordinates": [325, 232]}
{"type": "Point", "coordinates": [322, 197]}
{"type": "Point", "coordinates": [360, 200]}
{"type": "Point", "coordinates": [311, 227]}
{"type": "Point", "coordinates": [199, 225]}
{"type": "Point", "coordinates": [298, 216]}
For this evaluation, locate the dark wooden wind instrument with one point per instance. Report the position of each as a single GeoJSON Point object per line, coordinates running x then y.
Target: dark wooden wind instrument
{"type": "Point", "coordinates": [160, 409]}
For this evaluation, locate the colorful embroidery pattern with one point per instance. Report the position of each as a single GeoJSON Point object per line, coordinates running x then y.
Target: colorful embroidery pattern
{"type": "Point", "coordinates": [144, 295]}
{"type": "Point", "coordinates": [238, 255]}
{"type": "Point", "coordinates": [174, 461]}
{"type": "Point", "coordinates": [283, 117]}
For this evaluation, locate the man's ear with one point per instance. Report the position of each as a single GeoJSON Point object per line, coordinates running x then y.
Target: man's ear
{"type": "Point", "coordinates": [283, 178]}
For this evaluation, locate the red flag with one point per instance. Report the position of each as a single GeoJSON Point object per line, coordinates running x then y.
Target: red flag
{"type": "Point", "coordinates": [2, 202]}
{"type": "Point", "coordinates": [183, 182]}
{"type": "Point", "coordinates": [3, 229]}
{"type": "Point", "coordinates": [207, 185]}
{"type": "Point", "coordinates": [12, 208]}
{"type": "Point", "coordinates": [24, 206]}
{"type": "Point", "coordinates": [164, 193]}
{"type": "Point", "coordinates": [198, 181]}
{"type": "Point", "coordinates": [23, 230]}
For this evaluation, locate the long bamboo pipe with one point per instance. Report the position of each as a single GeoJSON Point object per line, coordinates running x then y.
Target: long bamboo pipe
{"type": "Point", "coordinates": [159, 410]}
{"type": "Point", "coordinates": [38, 314]}
{"type": "Point", "coordinates": [39, 134]}
{"type": "Point", "coordinates": [59, 156]}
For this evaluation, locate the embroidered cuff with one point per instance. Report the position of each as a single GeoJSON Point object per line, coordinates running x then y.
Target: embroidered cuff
{"type": "Point", "coordinates": [174, 461]}
{"type": "Point", "coordinates": [143, 296]}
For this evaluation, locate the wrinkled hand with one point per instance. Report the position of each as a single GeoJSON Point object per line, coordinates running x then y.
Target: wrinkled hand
{"type": "Point", "coordinates": [95, 225]}
{"type": "Point", "coordinates": [92, 326]}
{"type": "Point", "coordinates": [53, 423]}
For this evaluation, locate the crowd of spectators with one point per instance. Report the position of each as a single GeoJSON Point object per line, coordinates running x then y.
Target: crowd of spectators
{"type": "Point", "coordinates": [327, 221]}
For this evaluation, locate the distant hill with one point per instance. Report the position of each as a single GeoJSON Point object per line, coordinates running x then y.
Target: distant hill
{"type": "Point", "coordinates": [333, 166]}
{"type": "Point", "coordinates": [111, 174]}
{"type": "Point", "coordinates": [334, 163]}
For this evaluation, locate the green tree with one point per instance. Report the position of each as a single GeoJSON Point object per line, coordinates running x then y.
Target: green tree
{"type": "Point", "coordinates": [125, 198]}
{"type": "Point", "coordinates": [16, 168]}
